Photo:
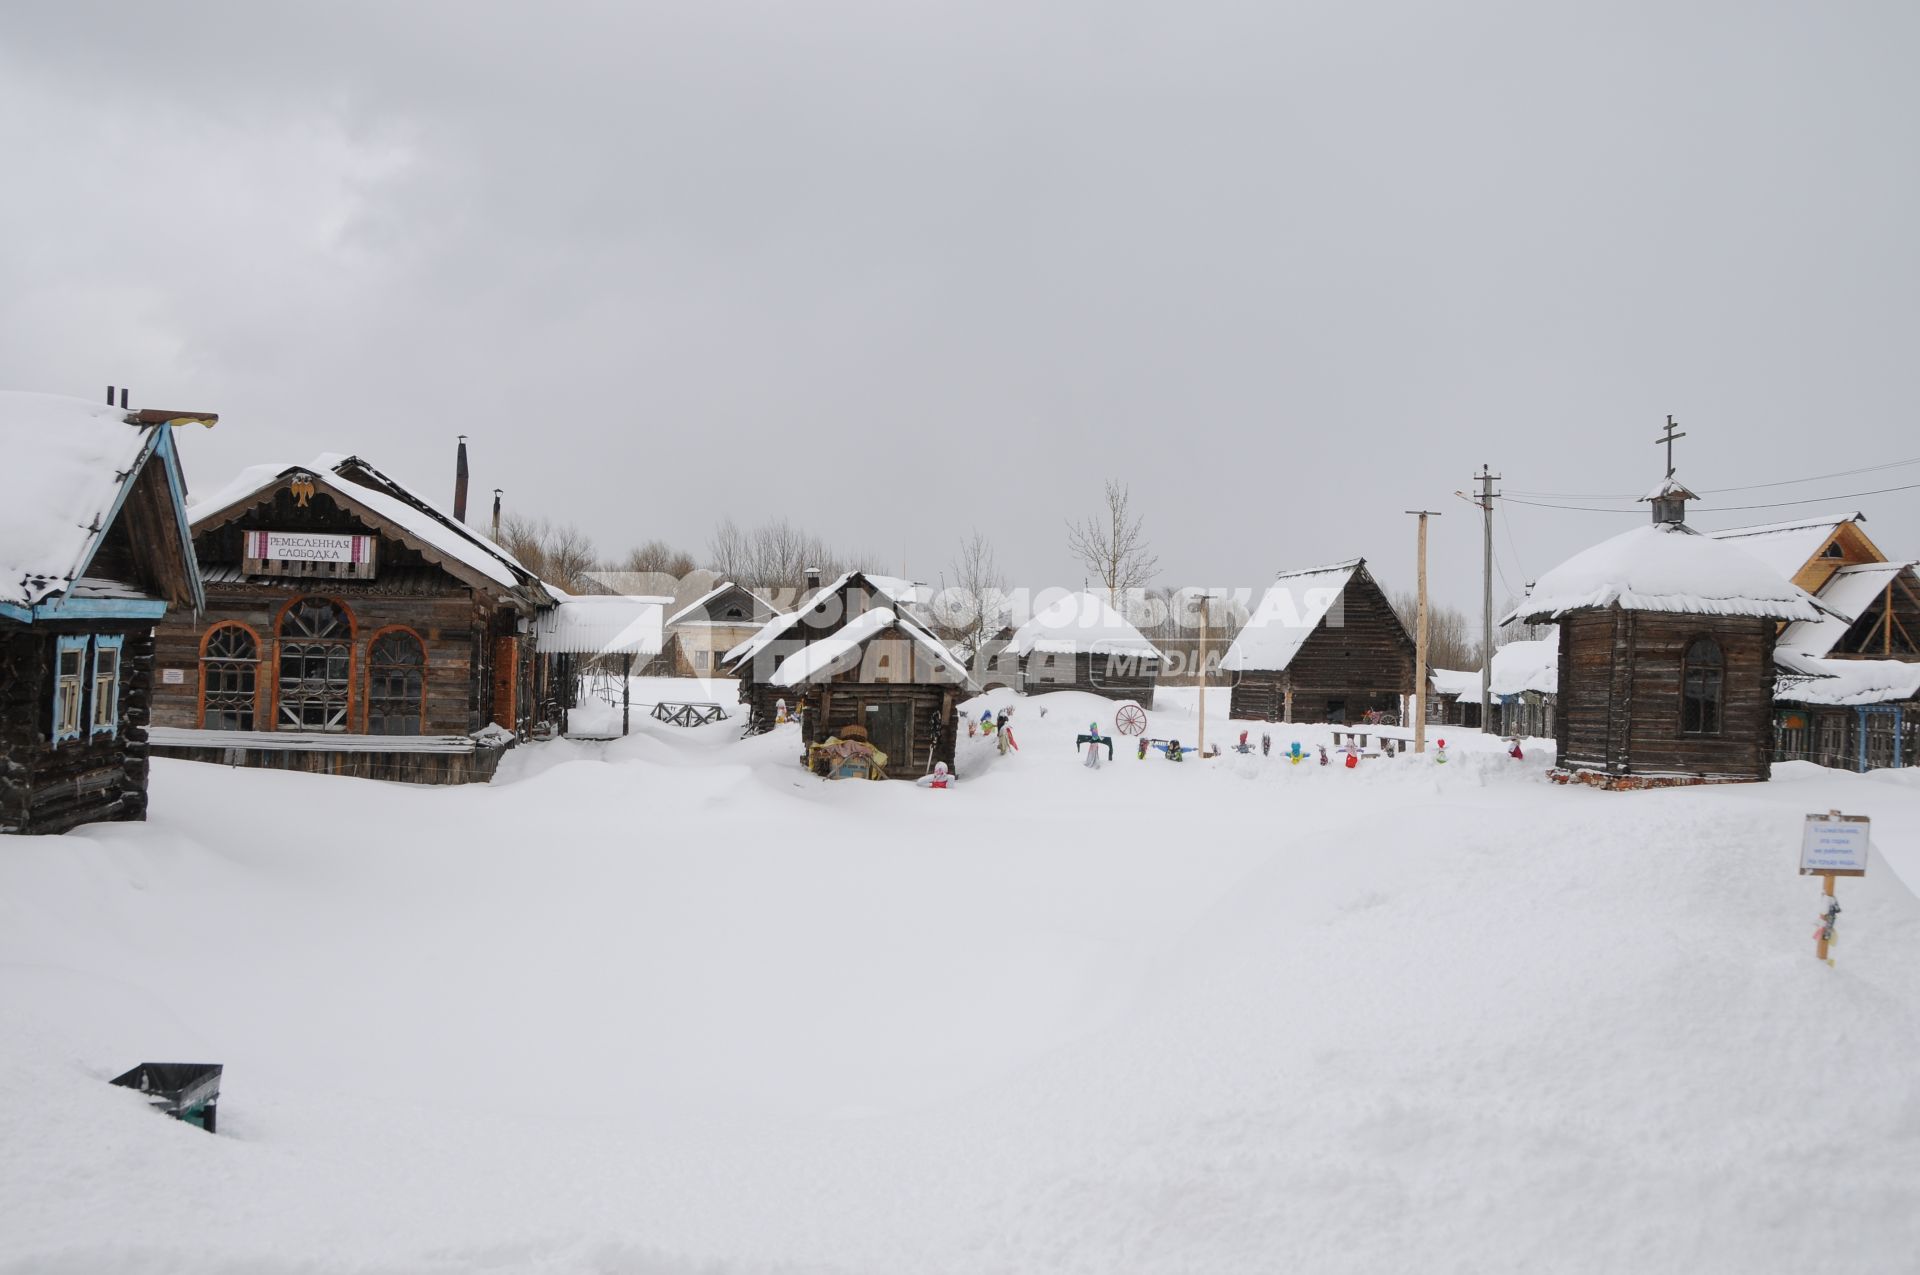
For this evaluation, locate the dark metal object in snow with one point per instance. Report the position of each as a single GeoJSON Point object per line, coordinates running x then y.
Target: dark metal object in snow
{"type": "Point", "coordinates": [185, 1091]}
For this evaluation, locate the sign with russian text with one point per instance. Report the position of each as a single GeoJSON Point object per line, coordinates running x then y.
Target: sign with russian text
{"type": "Point", "coordinates": [303, 546]}
{"type": "Point", "coordinates": [1834, 845]}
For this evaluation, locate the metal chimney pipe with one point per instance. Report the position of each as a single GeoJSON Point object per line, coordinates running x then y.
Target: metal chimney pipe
{"type": "Point", "coordinates": [124, 391]}
{"type": "Point", "coordinates": [496, 513]}
{"type": "Point", "coordinates": [109, 396]}
{"type": "Point", "coordinates": [460, 483]}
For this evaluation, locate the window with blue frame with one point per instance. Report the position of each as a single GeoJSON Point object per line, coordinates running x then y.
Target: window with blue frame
{"type": "Point", "coordinates": [69, 686]}
{"type": "Point", "coordinates": [106, 684]}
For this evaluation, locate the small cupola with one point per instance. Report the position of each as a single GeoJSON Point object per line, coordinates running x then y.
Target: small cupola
{"type": "Point", "coordinates": [1669, 501]}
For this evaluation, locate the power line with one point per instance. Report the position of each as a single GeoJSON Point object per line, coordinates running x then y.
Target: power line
{"type": "Point", "coordinates": [1721, 491]}
{"type": "Point", "coordinates": [1715, 509]}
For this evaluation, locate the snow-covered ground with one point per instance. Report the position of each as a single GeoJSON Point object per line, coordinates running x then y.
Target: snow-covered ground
{"type": "Point", "coordinates": [671, 1005]}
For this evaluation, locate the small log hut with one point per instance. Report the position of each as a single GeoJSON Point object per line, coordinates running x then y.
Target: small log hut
{"type": "Point", "coordinates": [1666, 654]}
{"type": "Point", "coordinates": [856, 655]}
{"type": "Point", "coordinates": [352, 627]}
{"type": "Point", "coordinates": [1080, 643]}
{"type": "Point", "coordinates": [1324, 645]}
{"type": "Point", "coordinates": [94, 550]}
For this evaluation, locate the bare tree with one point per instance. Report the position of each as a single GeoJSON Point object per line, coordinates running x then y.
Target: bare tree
{"type": "Point", "coordinates": [560, 554]}
{"type": "Point", "coordinates": [727, 552]}
{"type": "Point", "coordinates": [775, 556]}
{"type": "Point", "coordinates": [1112, 544]}
{"type": "Point", "coordinates": [1453, 639]}
{"type": "Point", "coordinates": [657, 557]}
{"type": "Point", "coordinates": [973, 609]}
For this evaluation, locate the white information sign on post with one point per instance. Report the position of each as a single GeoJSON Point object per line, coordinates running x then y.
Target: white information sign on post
{"type": "Point", "coordinates": [1834, 845]}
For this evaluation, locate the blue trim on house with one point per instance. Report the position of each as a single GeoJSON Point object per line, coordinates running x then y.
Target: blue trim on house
{"type": "Point", "coordinates": [177, 484]}
{"type": "Point", "coordinates": [18, 614]}
{"type": "Point", "coordinates": [65, 608]}
{"type": "Point", "coordinates": [160, 444]}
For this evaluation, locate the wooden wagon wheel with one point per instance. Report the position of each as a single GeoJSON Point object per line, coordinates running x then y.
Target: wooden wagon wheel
{"type": "Point", "coordinates": [1130, 720]}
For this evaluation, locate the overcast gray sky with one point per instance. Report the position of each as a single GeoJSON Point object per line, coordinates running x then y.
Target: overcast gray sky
{"type": "Point", "coordinates": [899, 269]}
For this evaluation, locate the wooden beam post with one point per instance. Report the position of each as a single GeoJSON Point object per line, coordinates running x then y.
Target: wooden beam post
{"type": "Point", "coordinates": [1420, 644]}
{"type": "Point", "coordinates": [1826, 888]}
{"type": "Point", "coordinates": [626, 693]}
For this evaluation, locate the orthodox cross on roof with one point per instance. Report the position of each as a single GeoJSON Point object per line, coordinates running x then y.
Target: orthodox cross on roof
{"type": "Point", "coordinates": [1672, 432]}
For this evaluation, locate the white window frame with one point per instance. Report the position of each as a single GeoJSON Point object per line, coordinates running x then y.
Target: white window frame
{"type": "Point", "coordinates": [69, 693]}
{"type": "Point", "coordinates": [110, 700]}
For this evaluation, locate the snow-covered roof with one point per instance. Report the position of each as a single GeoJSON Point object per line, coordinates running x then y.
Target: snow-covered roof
{"type": "Point", "coordinates": [904, 594]}
{"type": "Point", "coordinates": [68, 463]}
{"type": "Point", "coordinates": [839, 650]}
{"type": "Point", "coordinates": [1666, 567]}
{"type": "Point", "coordinates": [603, 624]}
{"type": "Point", "coordinates": [1081, 623]}
{"type": "Point", "coordinates": [1526, 666]}
{"type": "Point", "coordinates": [1840, 683]}
{"type": "Point", "coordinates": [826, 655]}
{"type": "Point", "coordinates": [1845, 595]}
{"type": "Point", "coordinates": [715, 592]}
{"type": "Point", "coordinates": [359, 482]}
{"type": "Point", "coordinates": [1787, 546]}
{"type": "Point", "coordinates": [1456, 682]}
{"type": "Point", "coordinates": [1290, 610]}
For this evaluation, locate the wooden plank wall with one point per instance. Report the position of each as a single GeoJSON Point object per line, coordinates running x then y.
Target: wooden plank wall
{"type": "Point", "coordinates": [1620, 700]}
{"type": "Point", "coordinates": [452, 626]}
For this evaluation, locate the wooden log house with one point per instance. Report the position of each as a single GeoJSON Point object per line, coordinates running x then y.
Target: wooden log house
{"type": "Point", "coordinates": [857, 655]}
{"type": "Point", "coordinates": [1080, 643]}
{"type": "Point", "coordinates": [818, 610]}
{"type": "Point", "coordinates": [94, 550]}
{"type": "Point", "coordinates": [1666, 654]}
{"type": "Point", "coordinates": [352, 627]}
{"type": "Point", "coordinates": [1847, 689]}
{"type": "Point", "coordinates": [1323, 645]}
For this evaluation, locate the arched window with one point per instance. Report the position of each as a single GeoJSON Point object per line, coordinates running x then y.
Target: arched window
{"type": "Point", "coordinates": [316, 666]}
{"type": "Point", "coordinates": [1702, 688]}
{"type": "Point", "coordinates": [229, 677]}
{"type": "Point", "coordinates": [396, 683]}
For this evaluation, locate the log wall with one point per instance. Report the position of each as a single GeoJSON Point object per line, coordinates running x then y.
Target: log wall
{"type": "Point", "coordinates": [49, 789]}
{"type": "Point", "coordinates": [1620, 695]}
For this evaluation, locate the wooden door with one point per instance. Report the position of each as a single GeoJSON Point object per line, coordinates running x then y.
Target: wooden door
{"type": "Point", "coordinates": [506, 681]}
{"type": "Point", "coordinates": [890, 729]}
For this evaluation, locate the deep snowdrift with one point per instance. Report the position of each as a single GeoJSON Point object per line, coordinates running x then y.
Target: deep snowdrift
{"type": "Point", "coordinates": [671, 1005]}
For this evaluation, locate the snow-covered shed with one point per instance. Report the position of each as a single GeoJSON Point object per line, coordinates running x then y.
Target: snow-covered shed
{"type": "Point", "coordinates": [1453, 697]}
{"type": "Point", "coordinates": [352, 627]}
{"type": "Point", "coordinates": [1080, 643]}
{"type": "Point", "coordinates": [1665, 654]}
{"type": "Point", "coordinates": [1323, 645]}
{"type": "Point", "coordinates": [857, 655]}
{"type": "Point", "coordinates": [94, 551]}
{"type": "Point", "coordinates": [1524, 681]}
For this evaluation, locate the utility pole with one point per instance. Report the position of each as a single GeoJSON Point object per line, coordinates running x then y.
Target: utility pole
{"type": "Point", "coordinates": [1205, 606]}
{"type": "Point", "coordinates": [1420, 640]}
{"type": "Point", "coordinates": [1486, 478]}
